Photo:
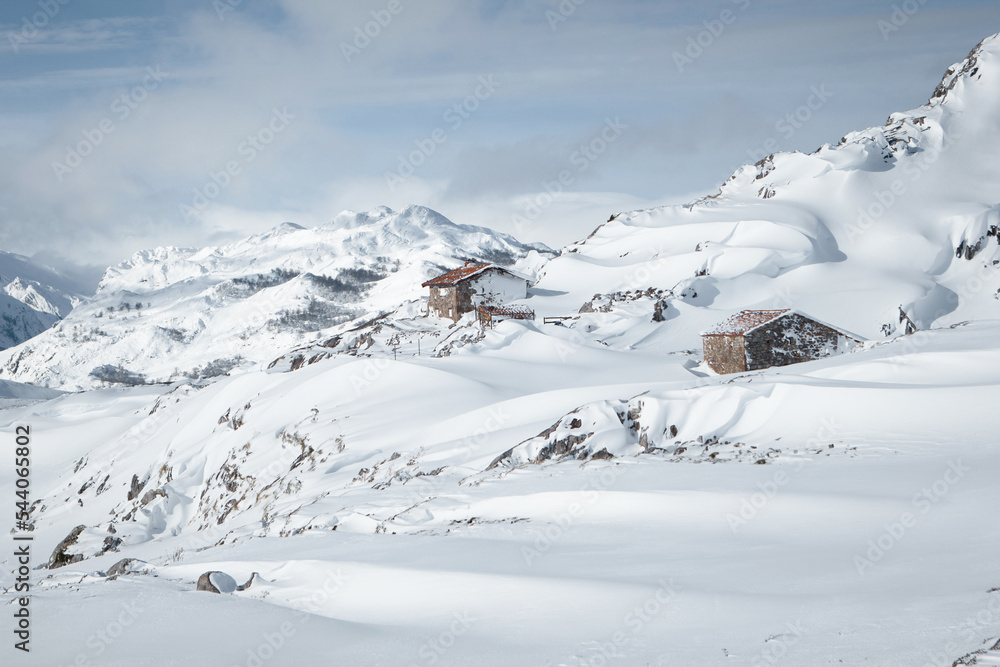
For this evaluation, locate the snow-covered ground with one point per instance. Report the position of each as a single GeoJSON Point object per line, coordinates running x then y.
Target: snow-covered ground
{"type": "Point", "coordinates": [412, 491]}
{"type": "Point", "coordinates": [863, 538]}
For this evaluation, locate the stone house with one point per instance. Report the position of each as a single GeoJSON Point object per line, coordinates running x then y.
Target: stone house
{"type": "Point", "coordinates": [461, 291]}
{"type": "Point", "coordinates": [756, 339]}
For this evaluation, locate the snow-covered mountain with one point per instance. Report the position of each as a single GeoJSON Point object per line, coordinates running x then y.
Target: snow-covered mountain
{"type": "Point", "coordinates": [172, 313]}
{"type": "Point", "coordinates": [904, 215]}
{"type": "Point", "coordinates": [32, 298]}
{"type": "Point", "coordinates": [559, 494]}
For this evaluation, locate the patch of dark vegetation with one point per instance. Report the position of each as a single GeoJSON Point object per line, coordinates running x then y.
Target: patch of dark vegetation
{"type": "Point", "coordinates": [112, 374]}
{"type": "Point", "coordinates": [246, 286]}
{"type": "Point", "coordinates": [215, 368]}
{"type": "Point", "coordinates": [315, 316]}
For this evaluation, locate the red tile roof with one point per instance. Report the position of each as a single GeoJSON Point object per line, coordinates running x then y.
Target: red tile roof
{"type": "Point", "coordinates": [745, 321]}
{"type": "Point", "coordinates": [457, 276]}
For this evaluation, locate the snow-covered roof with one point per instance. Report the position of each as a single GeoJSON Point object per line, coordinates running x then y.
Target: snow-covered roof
{"type": "Point", "coordinates": [458, 275]}
{"type": "Point", "coordinates": [746, 321]}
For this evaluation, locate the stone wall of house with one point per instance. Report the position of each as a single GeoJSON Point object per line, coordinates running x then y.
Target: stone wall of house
{"type": "Point", "coordinates": [725, 354]}
{"type": "Point", "coordinates": [493, 286]}
{"type": "Point", "coordinates": [442, 302]}
{"type": "Point", "coordinates": [791, 339]}
{"type": "Point", "coordinates": [463, 298]}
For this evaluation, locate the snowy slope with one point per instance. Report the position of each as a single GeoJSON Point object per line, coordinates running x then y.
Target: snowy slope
{"type": "Point", "coordinates": [171, 312]}
{"type": "Point", "coordinates": [368, 480]}
{"type": "Point", "coordinates": [32, 298]}
{"type": "Point", "coordinates": [901, 215]}
{"type": "Point", "coordinates": [536, 494]}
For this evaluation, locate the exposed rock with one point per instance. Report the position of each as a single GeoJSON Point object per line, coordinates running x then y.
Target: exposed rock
{"type": "Point", "coordinates": [124, 566]}
{"type": "Point", "coordinates": [152, 495]}
{"type": "Point", "coordinates": [136, 488]}
{"type": "Point", "coordinates": [217, 582]}
{"type": "Point", "coordinates": [973, 658]}
{"type": "Point", "coordinates": [253, 577]}
{"type": "Point", "coordinates": [659, 310]}
{"type": "Point", "coordinates": [111, 543]}
{"type": "Point", "coordinates": [59, 556]}
{"type": "Point", "coordinates": [563, 447]}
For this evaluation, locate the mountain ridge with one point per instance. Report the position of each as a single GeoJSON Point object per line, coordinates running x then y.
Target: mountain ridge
{"type": "Point", "coordinates": [32, 298]}
{"type": "Point", "coordinates": [173, 313]}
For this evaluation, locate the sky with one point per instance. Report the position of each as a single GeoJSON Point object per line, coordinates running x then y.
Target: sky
{"type": "Point", "coordinates": [130, 125]}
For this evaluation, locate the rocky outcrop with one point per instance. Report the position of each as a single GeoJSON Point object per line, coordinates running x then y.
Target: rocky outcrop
{"type": "Point", "coordinates": [570, 437]}
{"type": "Point", "coordinates": [66, 554]}
{"type": "Point", "coordinates": [60, 555]}
{"type": "Point", "coordinates": [216, 582]}
{"type": "Point", "coordinates": [135, 488]}
{"type": "Point", "coordinates": [220, 582]}
{"type": "Point", "coordinates": [124, 566]}
{"type": "Point", "coordinates": [152, 495]}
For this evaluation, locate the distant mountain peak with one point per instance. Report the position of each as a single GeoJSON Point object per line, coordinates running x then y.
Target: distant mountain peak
{"type": "Point", "coordinates": [985, 54]}
{"type": "Point", "coordinates": [170, 313]}
{"type": "Point", "coordinates": [904, 213]}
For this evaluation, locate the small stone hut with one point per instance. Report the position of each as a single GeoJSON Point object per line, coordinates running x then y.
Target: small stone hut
{"type": "Point", "coordinates": [756, 339]}
{"type": "Point", "coordinates": [461, 291]}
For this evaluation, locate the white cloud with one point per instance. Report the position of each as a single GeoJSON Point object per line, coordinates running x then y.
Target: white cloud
{"type": "Point", "coordinates": [354, 117]}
